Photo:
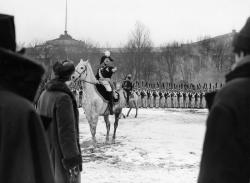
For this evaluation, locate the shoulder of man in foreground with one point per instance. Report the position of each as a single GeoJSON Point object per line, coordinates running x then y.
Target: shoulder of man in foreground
{"type": "Point", "coordinates": [15, 102]}
{"type": "Point", "coordinates": [234, 93]}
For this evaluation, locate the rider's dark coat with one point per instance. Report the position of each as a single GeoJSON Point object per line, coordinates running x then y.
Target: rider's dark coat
{"type": "Point", "coordinates": [57, 104]}
{"type": "Point", "coordinates": [106, 71]}
{"type": "Point", "coordinates": [226, 150]}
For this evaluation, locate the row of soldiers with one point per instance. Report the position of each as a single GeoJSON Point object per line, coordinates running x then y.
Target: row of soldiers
{"type": "Point", "coordinates": [173, 96]}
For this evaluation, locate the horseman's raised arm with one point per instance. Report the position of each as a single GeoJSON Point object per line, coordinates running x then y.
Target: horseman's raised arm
{"type": "Point", "coordinates": [114, 69]}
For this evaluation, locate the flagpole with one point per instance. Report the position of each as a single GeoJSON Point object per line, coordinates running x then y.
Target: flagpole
{"type": "Point", "coordinates": [66, 16]}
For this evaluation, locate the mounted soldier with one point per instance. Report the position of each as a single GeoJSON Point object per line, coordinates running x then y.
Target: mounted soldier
{"type": "Point", "coordinates": [104, 74]}
{"type": "Point", "coordinates": [128, 87]}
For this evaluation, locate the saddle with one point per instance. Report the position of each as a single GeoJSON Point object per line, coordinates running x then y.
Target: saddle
{"type": "Point", "coordinates": [105, 94]}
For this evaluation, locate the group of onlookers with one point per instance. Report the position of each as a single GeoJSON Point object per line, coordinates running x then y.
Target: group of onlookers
{"type": "Point", "coordinates": [39, 141]}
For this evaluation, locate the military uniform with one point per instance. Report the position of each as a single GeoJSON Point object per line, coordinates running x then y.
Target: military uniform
{"type": "Point", "coordinates": [166, 96]}
{"type": "Point", "coordinates": [128, 87]}
{"type": "Point", "coordinates": [143, 98]}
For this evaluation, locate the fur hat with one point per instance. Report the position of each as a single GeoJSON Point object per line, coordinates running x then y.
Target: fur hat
{"type": "Point", "coordinates": [242, 39]}
{"type": "Point", "coordinates": [63, 70]}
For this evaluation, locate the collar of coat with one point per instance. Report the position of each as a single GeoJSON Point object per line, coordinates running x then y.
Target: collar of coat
{"type": "Point", "coordinates": [57, 85]}
{"type": "Point", "coordinates": [241, 70]}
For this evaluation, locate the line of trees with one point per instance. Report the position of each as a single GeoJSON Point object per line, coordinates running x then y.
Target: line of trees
{"type": "Point", "coordinates": [204, 61]}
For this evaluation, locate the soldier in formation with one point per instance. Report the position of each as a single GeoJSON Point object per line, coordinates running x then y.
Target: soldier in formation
{"type": "Point", "coordinates": [172, 95]}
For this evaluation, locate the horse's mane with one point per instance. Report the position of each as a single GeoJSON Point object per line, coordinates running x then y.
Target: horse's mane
{"type": "Point", "coordinates": [91, 71]}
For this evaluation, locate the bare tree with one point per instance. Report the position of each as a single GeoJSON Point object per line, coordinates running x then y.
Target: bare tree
{"type": "Point", "coordinates": [170, 55]}
{"type": "Point", "coordinates": [138, 49]}
{"type": "Point", "coordinates": [222, 54]}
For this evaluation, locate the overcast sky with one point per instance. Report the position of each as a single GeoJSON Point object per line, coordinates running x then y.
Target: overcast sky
{"type": "Point", "coordinates": [109, 22]}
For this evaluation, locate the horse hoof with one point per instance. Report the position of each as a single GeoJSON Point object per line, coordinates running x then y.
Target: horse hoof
{"type": "Point", "coordinates": [107, 141]}
{"type": "Point", "coordinates": [92, 149]}
{"type": "Point", "coordinates": [113, 141]}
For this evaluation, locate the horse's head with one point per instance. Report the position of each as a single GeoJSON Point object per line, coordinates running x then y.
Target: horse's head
{"type": "Point", "coordinates": [80, 71]}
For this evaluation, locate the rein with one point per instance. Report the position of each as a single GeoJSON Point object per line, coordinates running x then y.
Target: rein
{"type": "Point", "coordinates": [88, 82]}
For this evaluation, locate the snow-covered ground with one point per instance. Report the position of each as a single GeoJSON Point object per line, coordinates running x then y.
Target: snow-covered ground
{"type": "Point", "coordinates": [160, 146]}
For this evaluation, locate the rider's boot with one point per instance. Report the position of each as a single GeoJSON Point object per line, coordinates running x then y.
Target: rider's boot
{"type": "Point", "coordinates": [111, 103]}
{"type": "Point", "coordinates": [127, 100]}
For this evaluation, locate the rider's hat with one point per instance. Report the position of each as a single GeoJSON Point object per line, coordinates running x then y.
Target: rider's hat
{"type": "Point", "coordinates": [106, 55]}
{"type": "Point", "coordinates": [22, 72]}
{"type": "Point", "coordinates": [64, 69]}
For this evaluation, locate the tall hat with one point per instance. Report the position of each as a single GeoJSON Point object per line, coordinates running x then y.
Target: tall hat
{"type": "Point", "coordinates": [106, 55]}
{"type": "Point", "coordinates": [242, 39]}
{"type": "Point", "coordinates": [18, 73]}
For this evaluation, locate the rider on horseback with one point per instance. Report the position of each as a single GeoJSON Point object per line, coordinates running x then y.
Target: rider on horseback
{"type": "Point", "coordinates": [128, 87]}
{"type": "Point", "coordinates": [104, 75]}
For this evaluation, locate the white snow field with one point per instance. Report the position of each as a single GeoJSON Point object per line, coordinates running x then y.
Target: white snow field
{"type": "Point", "coordinates": [160, 146]}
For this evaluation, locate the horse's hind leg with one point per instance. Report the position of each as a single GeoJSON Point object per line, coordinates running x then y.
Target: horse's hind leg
{"type": "Point", "coordinates": [122, 115]}
{"type": "Point", "coordinates": [115, 126]}
{"type": "Point", "coordinates": [106, 119]}
{"type": "Point", "coordinates": [136, 111]}
{"type": "Point", "coordinates": [129, 111]}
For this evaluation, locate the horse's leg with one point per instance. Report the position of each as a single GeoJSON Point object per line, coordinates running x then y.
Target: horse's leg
{"type": "Point", "coordinates": [106, 119]}
{"type": "Point", "coordinates": [136, 110]}
{"type": "Point", "coordinates": [115, 126]}
{"type": "Point", "coordinates": [123, 115]}
{"type": "Point", "coordinates": [92, 125]}
{"type": "Point", "coordinates": [129, 111]}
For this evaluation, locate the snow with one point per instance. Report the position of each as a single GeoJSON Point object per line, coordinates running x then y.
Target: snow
{"type": "Point", "coordinates": [160, 145]}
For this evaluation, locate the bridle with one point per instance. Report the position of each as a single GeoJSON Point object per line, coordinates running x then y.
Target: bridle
{"type": "Point", "coordinates": [80, 74]}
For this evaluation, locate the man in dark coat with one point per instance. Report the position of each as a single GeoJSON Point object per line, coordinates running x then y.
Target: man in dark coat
{"type": "Point", "coordinates": [128, 87]}
{"type": "Point", "coordinates": [58, 105]}
{"type": "Point", "coordinates": [226, 149]}
{"type": "Point", "coordinates": [24, 155]}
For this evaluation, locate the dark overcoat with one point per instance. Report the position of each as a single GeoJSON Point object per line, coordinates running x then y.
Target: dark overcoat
{"type": "Point", "coordinates": [24, 156]}
{"type": "Point", "coordinates": [226, 149]}
{"type": "Point", "coordinates": [59, 112]}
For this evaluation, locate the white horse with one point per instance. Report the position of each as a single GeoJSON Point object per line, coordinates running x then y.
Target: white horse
{"type": "Point", "coordinates": [93, 103]}
{"type": "Point", "coordinates": [133, 103]}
